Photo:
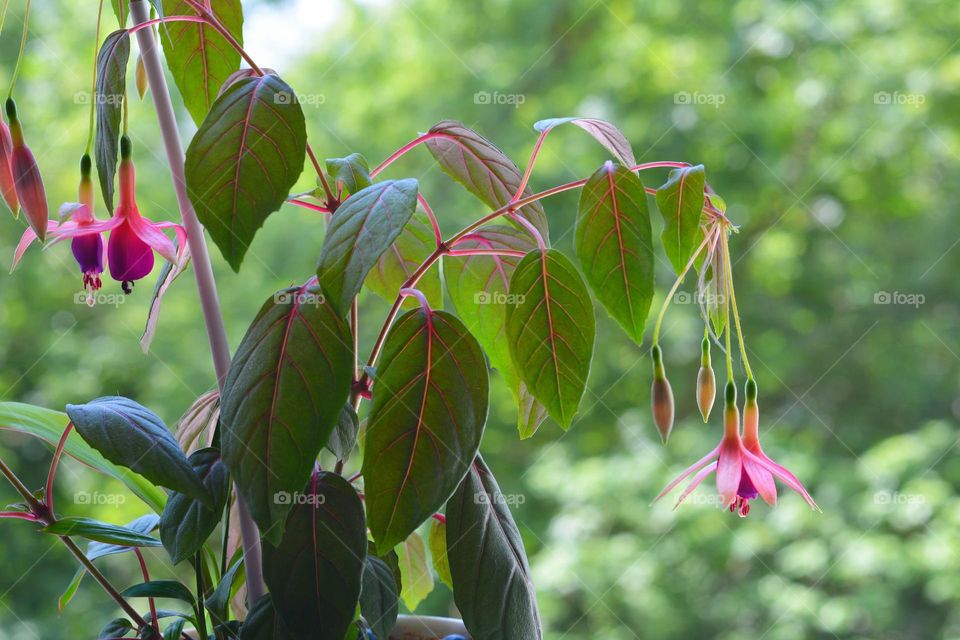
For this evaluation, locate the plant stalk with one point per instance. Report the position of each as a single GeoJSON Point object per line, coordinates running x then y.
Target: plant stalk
{"type": "Point", "coordinates": [206, 286]}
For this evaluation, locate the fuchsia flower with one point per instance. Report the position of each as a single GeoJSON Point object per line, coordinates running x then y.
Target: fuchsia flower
{"type": "Point", "coordinates": [26, 176]}
{"type": "Point", "coordinates": [743, 470]}
{"type": "Point", "coordinates": [7, 186]}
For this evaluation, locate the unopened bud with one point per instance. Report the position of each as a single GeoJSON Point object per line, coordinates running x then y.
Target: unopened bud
{"type": "Point", "coordinates": [661, 397]}
{"type": "Point", "coordinates": [706, 382]}
{"type": "Point", "coordinates": [7, 185]}
{"type": "Point", "coordinates": [141, 78]}
{"type": "Point", "coordinates": [751, 413]}
{"type": "Point", "coordinates": [731, 415]}
{"type": "Point", "coordinates": [26, 177]}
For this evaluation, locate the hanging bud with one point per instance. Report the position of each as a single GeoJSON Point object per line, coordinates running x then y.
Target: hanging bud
{"type": "Point", "coordinates": [661, 397]}
{"type": "Point", "coordinates": [751, 414]}
{"type": "Point", "coordinates": [26, 177]}
{"type": "Point", "coordinates": [141, 77]}
{"type": "Point", "coordinates": [6, 171]}
{"type": "Point", "coordinates": [731, 415]}
{"type": "Point", "coordinates": [706, 381]}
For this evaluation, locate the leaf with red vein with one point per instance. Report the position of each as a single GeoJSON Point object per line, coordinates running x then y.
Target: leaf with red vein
{"type": "Point", "coordinates": [398, 263]}
{"type": "Point", "coordinates": [482, 168]}
{"type": "Point", "coordinates": [614, 243]}
{"type": "Point", "coordinates": [428, 413]}
{"type": "Point", "coordinates": [199, 58]}
{"type": "Point", "coordinates": [680, 201]}
{"type": "Point", "coordinates": [286, 386]}
{"type": "Point", "coordinates": [602, 131]}
{"type": "Point", "coordinates": [244, 159]}
{"type": "Point", "coordinates": [314, 572]}
{"type": "Point", "coordinates": [479, 287]}
{"type": "Point", "coordinates": [550, 331]}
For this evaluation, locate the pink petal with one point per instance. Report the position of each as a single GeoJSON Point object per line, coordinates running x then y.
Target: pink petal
{"type": "Point", "coordinates": [128, 257]}
{"type": "Point", "coordinates": [785, 476]}
{"type": "Point", "coordinates": [71, 229]}
{"type": "Point", "coordinates": [762, 479]}
{"type": "Point", "coordinates": [150, 233]}
{"type": "Point", "coordinates": [181, 235]}
{"type": "Point", "coordinates": [697, 479]}
{"type": "Point", "coordinates": [686, 472]}
{"type": "Point", "coordinates": [729, 468]}
{"type": "Point", "coordinates": [29, 235]}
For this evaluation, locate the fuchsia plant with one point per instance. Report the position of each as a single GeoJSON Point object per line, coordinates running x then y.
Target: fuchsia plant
{"type": "Point", "coordinates": [319, 552]}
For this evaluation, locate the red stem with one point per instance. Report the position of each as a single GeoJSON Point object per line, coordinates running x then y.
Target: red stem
{"type": "Point", "coordinates": [487, 252]}
{"type": "Point", "coordinates": [402, 150]}
{"type": "Point", "coordinates": [533, 159]}
{"type": "Point", "coordinates": [51, 474]}
{"type": "Point", "coordinates": [19, 515]}
{"type": "Point", "coordinates": [532, 230]}
{"type": "Point", "coordinates": [146, 578]}
{"type": "Point", "coordinates": [433, 219]}
{"type": "Point", "coordinates": [408, 292]}
{"type": "Point", "coordinates": [307, 205]}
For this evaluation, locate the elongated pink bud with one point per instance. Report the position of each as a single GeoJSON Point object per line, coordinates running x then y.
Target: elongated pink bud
{"type": "Point", "coordinates": [751, 415]}
{"type": "Point", "coordinates": [661, 397]}
{"type": "Point", "coordinates": [706, 382]}
{"type": "Point", "coordinates": [26, 177]}
{"type": "Point", "coordinates": [6, 171]}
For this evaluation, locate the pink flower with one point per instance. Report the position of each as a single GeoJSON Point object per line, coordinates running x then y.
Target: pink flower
{"type": "Point", "coordinates": [7, 186]}
{"type": "Point", "coordinates": [26, 177]}
{"type": "Point", "coordinates": [743, 470]}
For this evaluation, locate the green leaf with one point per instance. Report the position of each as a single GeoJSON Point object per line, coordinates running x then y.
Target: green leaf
{"type": "Point", "coordinates": [550, 331]}
{"type": "Point", "coordinates": [395, 265]}
{"type": "Point", "coordinates": [417, 579]}
{"type": "Point", "coordinates": [614, 243]}
{"type": "Point", "coordinates": [491, 577]}
{"type": "Point", "coordinates": [217, 603]}
{"type": "Point", "coordinates": [680, 201]}
{"type": "Point", "coordinates": [287, 383]}
{"type": "Point", "coordinates": [186, 524]}
{"type": "Point", "coordinates": [601, 130]}
{"type": "Point", "coordinates": [482, 168]}
{"type": "Point", "coordinates": [243, 160]}
{"type": "Point", "coordinates": [379, 597]}
{"type": "Point", "coordinates": [100, 532]}
{"type": "Point", "coordinates": [314, 573]}
{"type": "Point", "coordinates": [48, 425]}
{"type": "Point", "coordinates": [479, 286]}
{"type": "Point", "coordinates": [263, 623]}
{"type": "Point", "coordinates": [438, 551]}
{"type": "Point", "coordinates": [110, 92]}
{"type": "Point", "coordinates": [129, 434]}
{"type": "Point", "coordinates": [343, 438]}
{"type": "Point", "coordinates": [161, 589]}
{"type": "Point", "coordinates": [428, 413]}
{"type": "Point", "coordinates": [71, 589]}
{"type": "Point", "coordinates": [364, 226]}
{"type": "Point", "coordinates": [352, 172]}
{"type": "Point", "coordinates": [200, 59]}
{"type": "Point", "coordinates": [120, 9]}
{"type": "Point", "coordinates": [174, 629]}
{"type": "Point", "coordinates": [116, 628]}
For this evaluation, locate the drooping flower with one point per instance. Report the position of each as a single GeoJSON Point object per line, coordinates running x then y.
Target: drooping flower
{"type": "Point", "coordinates": [661, 397]}
{"type": "Point", "coordinates": [26, 177]}
{"type": "Point", "coordinates": [743, 470]}
{"type": "Point", "coordinates": [706, 381]}
{"type": "Point", "coordinates": [7, 186]}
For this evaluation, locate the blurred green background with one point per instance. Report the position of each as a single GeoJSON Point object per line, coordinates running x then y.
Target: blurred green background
{"type": "Point", "coordinates": [830, 130]}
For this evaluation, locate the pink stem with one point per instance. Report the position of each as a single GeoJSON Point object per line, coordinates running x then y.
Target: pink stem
{"type": "Point", "coordinates": [416, 293]}
{"type": "Point", "coordinates": [307, 205]}
{"type": "Point", "coordinates": [51, 474]}
{"type": "Point", "coordinates": [487, 252]}
{"type": "Point", "coordinates": [433, 219]}
{"type": "Point", "coordinates": [19, 515]}
{"type": "Point", "coordinates": [533, 159]}
{"type": "Point", "coordinates": [526, 224]}
{"type": "Point", "coordinates": [402, 150]}
{"type": "Point", "coordinates": [150, 23]}
{"type": "Point", "coordinates": [355, 477]}
{"type": "Point", "coordinates": [146, 578]}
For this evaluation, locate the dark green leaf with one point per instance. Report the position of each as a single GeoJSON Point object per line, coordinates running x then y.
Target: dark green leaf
{"type": "Point", "coordinates": [379, 597]}
{"type": "Point", "coordinates": [428, 413]}
{"type": "Point", "coordinates": [364, 226]}
{"type": "Point", "coordinates": [550, 331]}
{"type": "Point", "coordinates": [243, 160]}
{"type": "Point", "coordinates": [482, 168]}
{"type": "Point", "coordinates": [200, 59]}
{"type": "Point", "coordinates": [479, 286]}
{"type": "Point", "coordinates": [161, 589]}
{"type": "Point", "coordinates": [131, 435]}
{"type": "Point", "coordinates": [263, 623]}
{"type": "Point", "coordinates": [343, 438]}
{"type": "Point", "coordinates": [186, 524]}
{"type": "Point", "coordinates": [491, 578]}
{"type": "Point", "coordinates": [395, 265]}
{"type": "Point", "coordinates": [352, 172]}
{"type": "Point", "coordinates": [680, 201]}
{"type": "Point", "coordinates": [614, 243]}
{"type": "Point", "coordinates": [108, 99]}
{"type": "Point", "coordinates": [314, 573]}
{"type": "Point", "coordinates": [174, 629]}
{"type": "Point", "coordinates": [100, 532]}
{"type": "Point", "coordinates": [116, 628]}
{"type": "Point", "coordinates": [287, 383]}
{"type": "Point", "coordinates": [602, 131]}
{"type": "Point", "coordinates": [218, 602]}
{"type": "Point", "coordinates": [48, 426]}
{"type": "Point", "coordinates": [438, 551]}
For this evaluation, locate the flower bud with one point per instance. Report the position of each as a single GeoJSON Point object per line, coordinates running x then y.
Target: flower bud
{"type": "Point", "coordinates": [26, 177]}
{"type": "Point", "coordinates": [661, 397]}
{"type": "Point", "coordinates": [7, 185]}
{"type": "Point", "coordinates": [751, 414]}
{"type": "Point", "coordinates": [706, 382]}
{"type": "Point", "coordinates": [731, 415]}
{"type": "Point", "coordinates": [141, 77]}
